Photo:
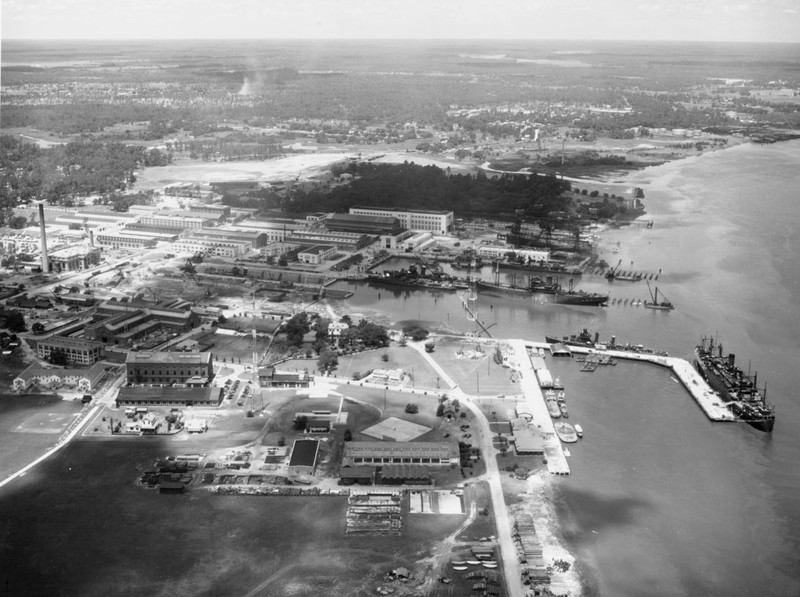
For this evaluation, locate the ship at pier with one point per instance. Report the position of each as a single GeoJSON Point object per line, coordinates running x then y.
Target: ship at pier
{"type": "Point", "coordinates": [739, 390]}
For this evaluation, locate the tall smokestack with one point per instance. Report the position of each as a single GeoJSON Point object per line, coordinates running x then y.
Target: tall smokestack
{"type": "Point", "coordinates": [91, 238]}
{"type": "Point", "coordinates": [45, 259]}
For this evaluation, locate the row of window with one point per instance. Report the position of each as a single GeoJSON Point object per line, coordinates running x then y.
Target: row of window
{"type": "Point", "coordinates": [397, 460]}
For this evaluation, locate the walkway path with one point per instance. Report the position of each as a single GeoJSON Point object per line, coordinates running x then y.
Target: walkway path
{"type": "Point", "coordinates": [508, 551]}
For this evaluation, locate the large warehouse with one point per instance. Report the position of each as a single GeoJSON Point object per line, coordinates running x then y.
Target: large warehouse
{"type": "Point", "coordinates": [401, 452]}
{"type": "Point", "coordinates": [167, 396]}
{"type": "Point", "coordinates": [169, 367]}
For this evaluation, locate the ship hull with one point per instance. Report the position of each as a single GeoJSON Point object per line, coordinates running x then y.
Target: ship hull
{"type": "Point", "coordinates": [753, 412]}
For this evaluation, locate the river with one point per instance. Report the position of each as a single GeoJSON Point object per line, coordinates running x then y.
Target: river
{"type": "Point", "coordinates": [661, 501]}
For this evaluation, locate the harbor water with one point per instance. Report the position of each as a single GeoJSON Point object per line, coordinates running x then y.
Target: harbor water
{"type": "Point", "coordinates": [661, 501]}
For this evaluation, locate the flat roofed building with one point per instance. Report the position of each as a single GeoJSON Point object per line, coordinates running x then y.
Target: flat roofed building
{"type": "Point", "coordinates": [276, 230]}
{"type": "Point", "coordinates": [73, 259]}
{"type": "Point", "coordinates": [212, 247]}
{"type": "Point", "coordinates": [343, 241]}
{"type": "Point", "coordinates": [256, 238]}
{"type": "Point", "coordinates": [174, 220]}
{"type": "Point", "coordinates": [169, 396]}
{"type": "Point", "coordinates": [363, 223]}
{"type": "Point", "coordinates": [168, 367]}
{"type": "Point", "coordinates": [217, 210]}
{"type": "Point", "coordinates": [77, 350]}
{"type": "Point", "coordinates": [419, 220]}
{"type": "Point", "coordinates": [125, 240]}
{"type": "Point", "coordinates": [268, 377]}
{"type": "Point", "coordinates": [304, 455]}
{"type": "Point", "coordinates": [498, 252]}
{"type": "Point", "coordinates": [402, 452]}
{"type": "Point", "coordinates": [316, 254]}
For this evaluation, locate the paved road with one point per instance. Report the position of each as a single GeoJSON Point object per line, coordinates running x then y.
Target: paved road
{"type": "Point", "coordinates": [508, 551]}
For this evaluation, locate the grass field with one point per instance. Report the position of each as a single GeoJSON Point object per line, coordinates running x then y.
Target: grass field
{"type": "Point", "coordinates": [480, 375]}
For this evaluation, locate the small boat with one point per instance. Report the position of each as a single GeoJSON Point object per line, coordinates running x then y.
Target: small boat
{"type": "Point", "coordinates": [552, 408]}
{"type": "Point", "coordinates": [567, 453]}
{"type": "Point", "coordinates": [459, 567]}
{"type": "Point", "coordinates": [489, 564]}
{"type": "Point", "coordinates": [663, 305]}
{"type": "Point", "coordinates": [566, 433]}
{"type": "Point", "coordinates": [561, 396]}
{"type": "Point", "coordinates": [564, 412]}
{"type": "Point", "coordinates": [458, 563]}
{"type": "Point", "coordinates": [473, 562]}
{"type": "Point", "coordinates": [578, 430]}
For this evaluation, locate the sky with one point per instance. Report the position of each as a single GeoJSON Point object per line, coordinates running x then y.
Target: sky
{"type": "Point", "coordinates": [678, 20]}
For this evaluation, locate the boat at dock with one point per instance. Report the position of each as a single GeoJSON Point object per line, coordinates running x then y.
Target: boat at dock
{"type": "Point", "coordinates": [564, 411]}
{"type": "Point", "coordinates": [578, 430]}
{"type": "Point", "coordinates": [737, 389]}
{"type": "Point", "coordinates": [571, 296]}
{"type": "Point", "coordinates": [459, 568]}
{"type": "Point", "coordinates": [553, 408]}
{"type": "Point", "coordinates": [489, 564]}
{"type": "Point", "coordinates": [412, 278]}
{"type": "Point", "coordinates": [566, 432]}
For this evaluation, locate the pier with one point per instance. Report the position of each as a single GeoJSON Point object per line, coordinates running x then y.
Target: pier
{"type": "Point", "coordinates": [707, 399]}
{"type": "Point", "coordinates": [534, 401]}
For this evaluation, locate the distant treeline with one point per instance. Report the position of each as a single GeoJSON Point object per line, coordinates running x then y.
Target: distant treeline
{"type": "Point", "coordinates": [429, 187]}
{"type": "Point", "coordinates": [60, 173]}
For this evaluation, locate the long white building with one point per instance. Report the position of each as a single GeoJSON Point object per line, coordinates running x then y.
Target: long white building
{"type": "Point", "coordinates": [419, 220]}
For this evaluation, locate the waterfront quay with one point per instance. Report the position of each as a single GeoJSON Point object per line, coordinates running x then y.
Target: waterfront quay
{"type": "Point", "coordinates": [534, 401]}
{"type": "Point", "coordinates": [707, 399]}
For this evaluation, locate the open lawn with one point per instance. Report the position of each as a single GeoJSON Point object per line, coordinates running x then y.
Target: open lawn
{"type": "Point", "coordinates": [475, 371]}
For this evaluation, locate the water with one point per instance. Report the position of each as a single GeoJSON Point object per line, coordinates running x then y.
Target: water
{"type": "Point", "coordinates": [661, 501]}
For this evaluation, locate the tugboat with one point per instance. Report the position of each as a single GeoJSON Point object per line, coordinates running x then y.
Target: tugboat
{"type": "Point", "coordinates": [664, 305]}
{"type": "Point", "coordinates": [739, 390]}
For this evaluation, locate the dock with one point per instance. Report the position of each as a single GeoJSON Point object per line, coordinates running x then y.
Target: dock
{"type": "Point", "coordinates": [535, 404]}
{"type": "Point", "coordinates": [705, 397]}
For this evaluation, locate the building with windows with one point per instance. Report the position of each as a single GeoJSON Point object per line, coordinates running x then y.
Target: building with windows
{"type": "Point", "coordinates": [77, 350]}
{"type": "Point", "coordinates": [73, 259]}
{"type": "Point", "coordinates": [343, 241]}
{"type": "Point", "coordinates": [128, 239]}
{"type": "Point", "coordinates": [85, 380]}
{"type": "Point", "coordinates": [419, 220]}
{"type": "Point", "coordinates": [170, 219]}
{"type": "Point", "coordinates": [122, 323]}
{"type": "Point", "coordinates": [268, 377]}
{"type": "Point", "coordinates": [169, 396]}
{"type": "Point", "coordinates": [499, 252]}
{"type": "Point", "coordinates": [218, 211]}
{"type": "Point", "coordinates": [165, 368]}
{"type": "Point", "coordinates": [277, 230]}
{"type": "Point", "coordinates": [316, 254]}
{"type": "Point", "coordinates": [363, 223]}
{"type": "Point", "coordinates": [359, 453]}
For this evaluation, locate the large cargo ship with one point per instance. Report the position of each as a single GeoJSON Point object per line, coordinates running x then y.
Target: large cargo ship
{"type": "Point", "coordinates": [737, 389]}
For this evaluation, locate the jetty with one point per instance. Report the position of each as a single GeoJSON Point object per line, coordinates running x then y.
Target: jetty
{"type": "Point", "coordinates": [705, 397]}
{"type": "Point", "coordinates": [535, 404]}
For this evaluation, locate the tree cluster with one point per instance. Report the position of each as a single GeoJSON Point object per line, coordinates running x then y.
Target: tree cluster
{"type": "Point", "coordinates": [429, 187]}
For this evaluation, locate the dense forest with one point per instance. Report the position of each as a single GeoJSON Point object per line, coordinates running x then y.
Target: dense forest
{"type": "Point", "coordinates": [429, 187]}
{"type": "Point", "coordinates": [61, 173]}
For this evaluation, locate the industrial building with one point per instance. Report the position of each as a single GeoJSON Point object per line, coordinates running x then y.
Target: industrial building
{"type": "Point", "coordinates": [214, 210]}
{"type": "Point", "coordinates": [316, 254]}
{"type": "Point", "coordinates": [444, 453]}
{"type": "Point", "coordinates": [499, 252]}
{"type": "Point", "coordinates": [77, 350]}
{"type": "Point", "coordinates": [276, 230]}
{"type": "Point", "coordinates": [374, 225]}
{"type": "Point", "coordinates": [127, 239]}
{"type": "Point", "coordinates": [164, 368]}
{"type": "Point", "coordinates": [168, 396]}
{"type": "Point", "coordinates": [304, 455]}
{"type": "Point", "coordinates": [343, 241]}
{"type": "Point", "coordinates": [419, 220]}
{"type": "Point", "coordinates": [172, 219]}
{"type": "Point", "coordinates": [123, 322]}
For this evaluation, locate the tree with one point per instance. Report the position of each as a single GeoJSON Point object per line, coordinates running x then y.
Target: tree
{"type": "Point", "coordinates": [300, 423]}
{"type": "Point", "coordinates": [385, 357]}
{"type": "Point", "coordinates": [328, 360]}
{"type": "Point", "coordinates": [37, 328]}
{"type": "Point", "coordinates": [58, 357]}
{"type": "Point", "coordinates": [348, 435]}
{"type": "Point", "coordinates": [15, 321]}
{"type": "Point", "coordinates": [17, 222]}
{"type": "Point", "coordinates": [412, 409]}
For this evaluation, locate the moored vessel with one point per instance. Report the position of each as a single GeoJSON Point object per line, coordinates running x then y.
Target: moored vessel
{"type": "Point", "coordinates": [566, 432]}
{"type": "Point", "coordinates": [739, 390]}
{"type": "Point", "coordinates": [578, 430]}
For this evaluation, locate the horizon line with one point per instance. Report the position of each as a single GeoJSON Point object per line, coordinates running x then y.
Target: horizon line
{"type": "Point", "coordinates": [389, 39]}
